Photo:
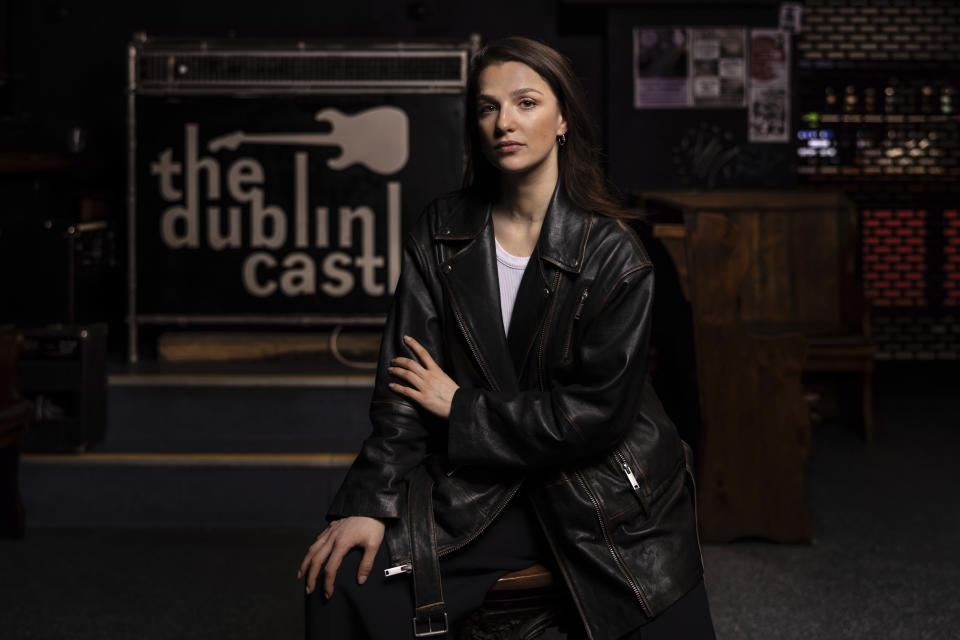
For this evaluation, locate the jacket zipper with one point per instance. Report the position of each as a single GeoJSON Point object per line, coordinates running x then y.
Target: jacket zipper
{"type": "Point", "coordinates": [546, 328]}
{"type": "Point", "coordinates": [627, 470]}
{"type": "Point", "coordinates": [613, 550]}
{"type": "Point", "coordinates": [473, 347]}
{"type": "Point", "coordinates": [631, 477]}
{"type": "Point", "coordinates": [576, 316]}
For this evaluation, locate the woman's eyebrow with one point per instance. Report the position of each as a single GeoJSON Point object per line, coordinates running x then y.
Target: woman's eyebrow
{"type": "Point", "coordinates": [514, 93]}
{"type": "Point", "coordinates": [517, 92]}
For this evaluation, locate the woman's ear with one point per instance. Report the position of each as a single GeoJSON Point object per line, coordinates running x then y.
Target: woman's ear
{"type": "Point", "coordinates": [562, 129]}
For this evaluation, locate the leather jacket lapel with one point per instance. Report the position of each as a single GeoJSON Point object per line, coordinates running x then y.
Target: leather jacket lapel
{"type": "Point", "coordinates": [563, 238]}
{"type": "Point", "coordinates": [473, 286]}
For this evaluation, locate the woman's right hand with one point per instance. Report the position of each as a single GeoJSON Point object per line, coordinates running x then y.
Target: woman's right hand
{"type": "Point", "coordinates": [334, 543]}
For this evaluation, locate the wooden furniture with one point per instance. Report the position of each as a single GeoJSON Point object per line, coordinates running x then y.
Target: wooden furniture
{"type": "Point", "coordinates": [802, 274]}
{"type": "Point", "coordinates": [756, 431]}
{"type": "Point", "coordinates": [772, 283]}
{"type": "Point", "coordinates": [15, 412]}
{"type": "Point", "coordinates": [521, 606]}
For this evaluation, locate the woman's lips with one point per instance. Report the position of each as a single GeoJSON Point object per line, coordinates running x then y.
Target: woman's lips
{"type": "Point", "coordinates": [507, 147]}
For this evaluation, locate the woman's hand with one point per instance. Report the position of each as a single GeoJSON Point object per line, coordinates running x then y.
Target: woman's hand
{"type": "Point", "coordinates": [431, 387]}
{"type": "Point", "coordinates": [334, 543]}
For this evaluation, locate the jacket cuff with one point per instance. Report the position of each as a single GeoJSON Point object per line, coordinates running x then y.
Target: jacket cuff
{"type": "Point", "coordinates": [350, 502]}
{"type": "Point", "coordinates": [459, 445]}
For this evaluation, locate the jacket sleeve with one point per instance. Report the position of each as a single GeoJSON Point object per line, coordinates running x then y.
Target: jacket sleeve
{"type": "Point", "coordinates": [374, 486]}
{"type": "Point", "coordinates": [536, 429]}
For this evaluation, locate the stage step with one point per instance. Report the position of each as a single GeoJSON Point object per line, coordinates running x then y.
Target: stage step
{"type": "Point", "coordinates": [178, 490]}
{"type": "Point", "coordinates": [237, 413]}
{"type": "Point", "coordinates": [200, 447]}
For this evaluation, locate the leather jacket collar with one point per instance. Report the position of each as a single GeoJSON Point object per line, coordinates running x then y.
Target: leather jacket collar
{"type": "Point", "coordinates": [563, 235]}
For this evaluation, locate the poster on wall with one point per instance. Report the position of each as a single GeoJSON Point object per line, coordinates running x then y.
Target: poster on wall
{"type": "Point", "coordinates": [660, 67]}
{"type": "Point", "coordinates": [682, 67]}
{"type": "Point", "coordinates": [769, 104]}
{"type": "Point", "coordinates": [718, 67]}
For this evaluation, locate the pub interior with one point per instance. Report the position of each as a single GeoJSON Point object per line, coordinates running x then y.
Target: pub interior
{"type": "Point", "coordinates": [202, 206]}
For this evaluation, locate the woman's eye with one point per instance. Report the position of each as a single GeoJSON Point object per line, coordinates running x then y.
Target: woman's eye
{"type": "Point", "coordinates": [527, 102]}
{"type": "Point", "coordinates": [485, 109]}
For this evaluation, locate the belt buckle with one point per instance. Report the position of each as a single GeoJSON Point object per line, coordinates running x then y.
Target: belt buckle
{"type": "Point", "coordinates": [430, 630]}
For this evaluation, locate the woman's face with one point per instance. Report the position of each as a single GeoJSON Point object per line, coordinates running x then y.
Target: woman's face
{"type": "Point", "coordinates": [518, 116]}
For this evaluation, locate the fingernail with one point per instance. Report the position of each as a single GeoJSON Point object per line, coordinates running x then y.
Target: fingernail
{"type": "Point", "coordinates": [327, 594]}
{"type": "Point", "coordinates": [362, 579]}
{"type": "Point", "coordinates": [406, 338]}
{"type": "Point", "coordinates": [308, 590]}
{"type": "Point", "coordinates": [299, 574]}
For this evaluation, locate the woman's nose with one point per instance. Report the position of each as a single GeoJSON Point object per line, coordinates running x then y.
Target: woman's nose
{"type": "Point", "coordinates": [505, 120]}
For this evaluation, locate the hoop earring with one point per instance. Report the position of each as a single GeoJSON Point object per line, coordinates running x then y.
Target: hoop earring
{"type": "Point", "coordinates": [562, 139]}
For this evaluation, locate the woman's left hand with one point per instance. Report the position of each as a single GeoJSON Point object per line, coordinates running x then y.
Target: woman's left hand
{"type": "Point", "coordinates": [430, 386]}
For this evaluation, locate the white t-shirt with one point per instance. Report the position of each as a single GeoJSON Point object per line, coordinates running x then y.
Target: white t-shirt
{"type": "Point", "coordinates": [510, 271]}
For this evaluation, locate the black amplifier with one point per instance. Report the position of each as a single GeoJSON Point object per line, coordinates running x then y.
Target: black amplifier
{"type": "Point", "coordinates": [63, 372]}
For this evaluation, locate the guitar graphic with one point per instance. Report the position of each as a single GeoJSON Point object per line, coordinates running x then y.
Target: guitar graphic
{"type": "Point", "coordinates": [377, 138]}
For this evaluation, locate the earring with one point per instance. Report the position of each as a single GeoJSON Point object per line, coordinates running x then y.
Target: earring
{"type": "Point", "coordinates": [562, 139]}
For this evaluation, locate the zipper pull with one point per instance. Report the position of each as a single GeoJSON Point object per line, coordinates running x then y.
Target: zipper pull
{"type": "Point", "coordinates": [580, 303]}
{"type": "Point", "coordinates": [397, 570]}
{"type": "Point", "coordinates": [632, 478]}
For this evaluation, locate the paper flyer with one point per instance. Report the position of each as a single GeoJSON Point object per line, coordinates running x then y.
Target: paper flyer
{"type": "Point", "coordinates": [769, 104]}
{"type": "Point", "coordinates": [718, 67]}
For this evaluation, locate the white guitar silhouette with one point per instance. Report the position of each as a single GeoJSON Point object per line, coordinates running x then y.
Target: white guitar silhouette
{"type": "Point", "coordinates": [376, 138]}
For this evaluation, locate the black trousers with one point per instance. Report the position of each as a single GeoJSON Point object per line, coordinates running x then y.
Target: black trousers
{"type": "Point", "coordinates": [382, 608]}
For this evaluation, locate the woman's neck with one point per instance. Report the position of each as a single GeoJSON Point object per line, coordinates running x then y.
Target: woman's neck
{"type": "Point", "coordinates": [525, 198]}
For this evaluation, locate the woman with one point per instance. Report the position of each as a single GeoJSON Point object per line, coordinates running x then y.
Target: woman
{"type": "Point", "coordinates": [531, 434]}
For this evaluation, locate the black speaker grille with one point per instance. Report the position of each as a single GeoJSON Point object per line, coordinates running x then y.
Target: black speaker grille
{"type": "Point", "coordinates": [328, 69]}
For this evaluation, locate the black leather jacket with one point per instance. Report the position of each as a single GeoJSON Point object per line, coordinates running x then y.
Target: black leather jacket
{"type": "Point", "coordinates": [564, 407]}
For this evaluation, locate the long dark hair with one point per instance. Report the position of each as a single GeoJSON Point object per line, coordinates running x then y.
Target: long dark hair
{"type": "Point", "coordinates": [578, 159]}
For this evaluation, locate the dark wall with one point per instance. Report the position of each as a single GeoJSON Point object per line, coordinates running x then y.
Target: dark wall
{"type": "Point", "coordinates": [66, 60]}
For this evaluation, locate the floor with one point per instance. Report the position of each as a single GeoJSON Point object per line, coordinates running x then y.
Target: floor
{"type": "Point", "coordinates": [884, 563]}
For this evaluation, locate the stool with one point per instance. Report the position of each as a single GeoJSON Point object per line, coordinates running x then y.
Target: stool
{"type": "Point", "coordinates": [522, 605]}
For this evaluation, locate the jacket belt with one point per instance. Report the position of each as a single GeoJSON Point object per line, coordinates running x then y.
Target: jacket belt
{"type": "Point", "coordinates": [430, 617]}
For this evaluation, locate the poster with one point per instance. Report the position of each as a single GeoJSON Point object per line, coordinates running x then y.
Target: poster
{"type": "Point", "coordinates": [769, 104]}
{"type": "Point", "coordinates": [660, 67]}
{"type": "Point", "coordinates": [718, 67]}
